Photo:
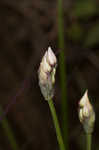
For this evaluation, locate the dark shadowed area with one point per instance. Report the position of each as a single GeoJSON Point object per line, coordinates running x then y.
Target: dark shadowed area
{"type": "Point", "coordinates": [27, 28]}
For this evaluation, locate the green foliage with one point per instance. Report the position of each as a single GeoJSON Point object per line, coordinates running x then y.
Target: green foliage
{"type": "Point", "coordinates": [75, 32]}
{"type": "Point", "coordinates": [83, 29]}
{"type": "Point", "coordinates": [92, 36]}
{"type": "Point", "coordinates": [85, 9]}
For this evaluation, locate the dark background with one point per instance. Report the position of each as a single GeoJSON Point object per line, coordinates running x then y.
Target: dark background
{"type": "Point", "coordinates": [27, 28]}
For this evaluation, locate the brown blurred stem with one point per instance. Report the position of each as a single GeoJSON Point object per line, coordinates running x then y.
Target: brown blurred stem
{"type": "Point", "coordinates": [62, 71]}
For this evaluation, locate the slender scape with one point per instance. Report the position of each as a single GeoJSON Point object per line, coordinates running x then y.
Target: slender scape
{"type": "Point", "coordinates": [46, 75]}
{"type": "Point", "coordinates": [56, 124]}
{"type": "Point", "coordinates": [88, 141]}
{"type": "Point", "coordinates": [62, 68]}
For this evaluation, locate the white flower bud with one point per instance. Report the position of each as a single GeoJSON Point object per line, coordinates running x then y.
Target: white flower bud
{"type": "Point", "coordinates": [44, 64]}
{"type": "Point", "coordinates": [46, 74]}
{"type": "Point", "coordinates": [86, 113]}
{"type": "Point", "coordinates": [51, 58]}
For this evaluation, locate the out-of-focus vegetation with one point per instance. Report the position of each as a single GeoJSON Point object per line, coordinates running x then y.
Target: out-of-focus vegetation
{"type": "Point", "coordinates": [84, 23]}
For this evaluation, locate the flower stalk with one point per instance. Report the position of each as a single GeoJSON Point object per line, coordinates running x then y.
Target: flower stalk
{"type": "Point", "coordinates": [87, 118]}
{"type": "Point", "coordinates": [63, 78]}
{"type": "Point", "coordinates": [88, 141]}
{"type": "Point", "coordinates": [46, 75]}
{"type": "Point", "coordinates": [56, 124]}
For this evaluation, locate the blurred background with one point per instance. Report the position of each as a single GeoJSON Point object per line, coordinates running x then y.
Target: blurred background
{"type": "Point", "coordinates": [27, 28]}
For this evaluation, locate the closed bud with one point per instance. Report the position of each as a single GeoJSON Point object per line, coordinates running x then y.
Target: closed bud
{"type": "Point", "coordinates": [86, 113]}
{"type": "Point", "coordinates": [51, 58]}
{"type": "Point", "coordinates": [46, 74]}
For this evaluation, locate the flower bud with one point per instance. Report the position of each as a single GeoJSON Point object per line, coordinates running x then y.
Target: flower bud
{"type": "Point", "coordinates": [46, 74]}
{"type": "Point", "coordinates": [86, 113]}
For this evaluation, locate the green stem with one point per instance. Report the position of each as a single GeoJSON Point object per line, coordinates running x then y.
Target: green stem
{"type": "Point", "coordinates": [62, 68]}
{"type": "Point", "coordinates": [88, 139]}
{"type": "Point", "coordinates": [56, 124]}
{"type": "Point", "coordinates": [8, 132]}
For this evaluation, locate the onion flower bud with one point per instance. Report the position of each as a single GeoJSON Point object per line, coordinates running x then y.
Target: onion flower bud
{"type": "Point", "coordinates": [86, 114]}
{"type": "Point", "coordinates": [46, 74]}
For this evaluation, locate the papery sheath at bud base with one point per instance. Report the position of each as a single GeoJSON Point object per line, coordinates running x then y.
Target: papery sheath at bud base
{"type": "Point", "coordinates": [86, 113]}
{"type": "Point", "coordinates": [46, 74]}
